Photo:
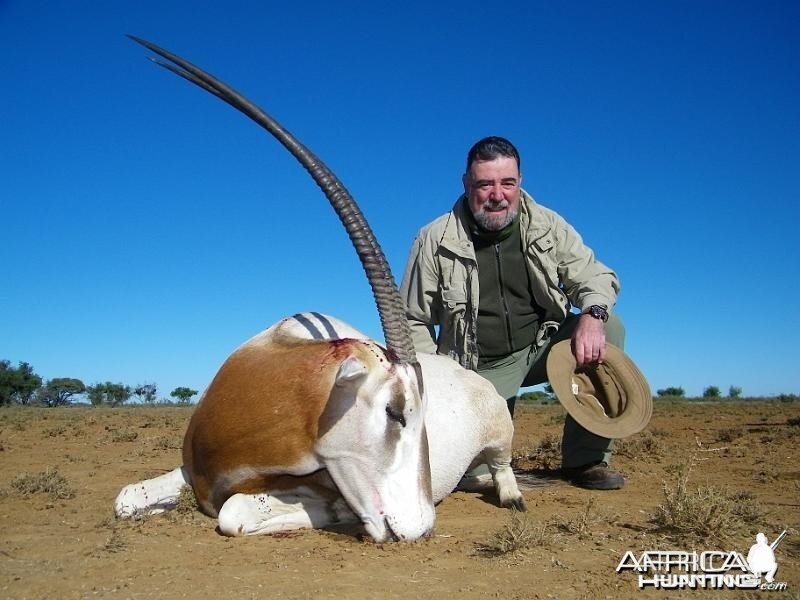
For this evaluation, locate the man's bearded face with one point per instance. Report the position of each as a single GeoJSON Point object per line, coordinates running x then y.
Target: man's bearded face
{"type": "Point", "coordinates": [492, 189]}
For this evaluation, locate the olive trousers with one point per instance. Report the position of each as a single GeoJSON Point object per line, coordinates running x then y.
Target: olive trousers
{"type": "Point", "coordinates": [527, 367]}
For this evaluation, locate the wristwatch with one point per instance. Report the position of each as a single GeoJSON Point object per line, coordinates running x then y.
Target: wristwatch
{"type": "Point", "coordinates": [598, 312]}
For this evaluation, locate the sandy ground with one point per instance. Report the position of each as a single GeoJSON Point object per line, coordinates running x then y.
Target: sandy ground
{"type": "Point", "coordinates": [74, 548]}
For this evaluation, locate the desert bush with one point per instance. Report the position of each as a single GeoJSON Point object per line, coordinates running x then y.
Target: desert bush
{"type": "Point", "coordinates": [642, 445]}
{"type": "Point", "coordinates": [711, 391]}
{"type": "Point", "coordinates": [520, 533]}
{"type": "Point", "coordinates": [728, 434]}
{"type": "Point", "coordinates": [793, 421]}
{"type": "Point", "coordinates": [545, 455]}
{"type": "Point", "coordinates": [703, 512]}
{"type": "Point", "coordinates": [166, 442]}
{"type": "Point", "coordinates": [185, 511]}
{"type": "Point", "coordinates": [187, 503]}
{"type": "Point", "coordinates": [123, 435]}
{"type": "Point", "coordinates": [49, 482]}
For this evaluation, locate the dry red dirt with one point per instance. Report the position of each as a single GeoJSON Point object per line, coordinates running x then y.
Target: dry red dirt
{"type": "Point", "coordinates": [74, 548]}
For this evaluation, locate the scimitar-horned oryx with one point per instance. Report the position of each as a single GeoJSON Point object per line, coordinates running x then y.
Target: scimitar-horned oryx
{"type": "Point", "coordinates": [311, 424]}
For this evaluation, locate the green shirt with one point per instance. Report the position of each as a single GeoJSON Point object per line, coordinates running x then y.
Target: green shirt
{"type": "Point", "coordinates": [508, 317]}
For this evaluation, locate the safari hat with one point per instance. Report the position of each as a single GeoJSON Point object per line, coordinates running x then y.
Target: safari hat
{"type": "Point", "coordinates": [611, 399]}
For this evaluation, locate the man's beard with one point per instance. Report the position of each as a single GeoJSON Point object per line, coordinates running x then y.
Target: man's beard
{"type": "Point", "coordinates": [493, 221]}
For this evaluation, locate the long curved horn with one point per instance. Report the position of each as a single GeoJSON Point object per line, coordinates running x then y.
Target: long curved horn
{"type": "Point", "coordinates": [390, 306]}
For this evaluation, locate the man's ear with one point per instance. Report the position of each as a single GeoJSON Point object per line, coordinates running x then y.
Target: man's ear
{"type": "Point", "coordinates": [350, 370]}
{"type": "Point", "coordinates": [465, 183]}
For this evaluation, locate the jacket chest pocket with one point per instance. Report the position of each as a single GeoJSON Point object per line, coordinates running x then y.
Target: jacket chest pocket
{"type": "Point", "coordinates": [543, 252]}
{"type": "Point", "coordinates": [454, 300]}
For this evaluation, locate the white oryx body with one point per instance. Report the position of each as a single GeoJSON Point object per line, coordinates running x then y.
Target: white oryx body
{"type": "Point", "coordinates": [310, 424]}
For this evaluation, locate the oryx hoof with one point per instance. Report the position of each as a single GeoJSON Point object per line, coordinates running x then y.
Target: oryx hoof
{"type": "Point", "coordinates": [516, 504]}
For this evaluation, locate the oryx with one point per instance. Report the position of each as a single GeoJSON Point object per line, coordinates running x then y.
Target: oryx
{"type": "Point", "coordinates": [310, 423]}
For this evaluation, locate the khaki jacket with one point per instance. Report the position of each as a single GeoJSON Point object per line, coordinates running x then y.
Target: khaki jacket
{"type": "Point", "coordinates": [440, 284]}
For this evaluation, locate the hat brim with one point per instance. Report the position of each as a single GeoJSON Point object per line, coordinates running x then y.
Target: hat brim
{"type": "Point", "coordinates": [561, 365]}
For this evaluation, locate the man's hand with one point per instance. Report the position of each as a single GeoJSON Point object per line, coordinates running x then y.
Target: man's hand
{"type": "Point", "coordinates": [589, 341]}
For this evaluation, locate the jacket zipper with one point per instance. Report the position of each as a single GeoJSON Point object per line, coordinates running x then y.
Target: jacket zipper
{"type": "Point", "coordinates": [497, 254]}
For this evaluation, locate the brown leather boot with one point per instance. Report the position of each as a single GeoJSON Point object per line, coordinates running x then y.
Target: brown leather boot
{"type": "Point", "coordinates": [595, 476]}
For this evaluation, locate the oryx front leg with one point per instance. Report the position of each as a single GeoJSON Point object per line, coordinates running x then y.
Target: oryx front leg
{"type": "Point", "coordinates": [151, 496]}
{"type": "Point", "coordinates": [506, 485]}
{"type": "Point", "coordinates": [301, 508]}
{"type": "Point", "coordinates": [498, 459]}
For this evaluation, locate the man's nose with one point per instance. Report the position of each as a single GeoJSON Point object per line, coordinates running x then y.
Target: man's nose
{"type": "Point", "coordinates": [496, 192]}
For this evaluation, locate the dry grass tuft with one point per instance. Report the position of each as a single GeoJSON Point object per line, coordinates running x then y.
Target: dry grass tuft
{"type": "Point", "coordinates": [114, 543]}
{"type": "Point", "coordinates": [58, 430]}
{"type": "Point", "coordinates": [520, 533]}
{"type": "Point", "coordinates": [582, 523]}
{"type": "Point", "coordinates": [747, 506]}
{"type": "Point", "coordinates": [49, 481]}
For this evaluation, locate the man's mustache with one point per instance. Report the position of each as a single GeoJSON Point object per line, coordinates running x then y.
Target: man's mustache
{"type": "Point", "coordinates": [498, 205]}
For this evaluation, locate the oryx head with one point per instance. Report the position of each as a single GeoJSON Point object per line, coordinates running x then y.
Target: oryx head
{"type": "Point", "coordinates": [372, 441]}
{"type": "Point", "coordinates": [383, 470]}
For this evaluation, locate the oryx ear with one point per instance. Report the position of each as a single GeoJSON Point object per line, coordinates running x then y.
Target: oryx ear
{"type": "Point", "coordinates": [350, 370]}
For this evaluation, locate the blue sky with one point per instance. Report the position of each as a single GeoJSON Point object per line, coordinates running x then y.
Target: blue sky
{"type": "Point", "coordinates": [149, 229]}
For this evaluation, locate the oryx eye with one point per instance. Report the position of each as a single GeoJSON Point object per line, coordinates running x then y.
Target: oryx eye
{"type": "Point", "coordinates": [396, 415]}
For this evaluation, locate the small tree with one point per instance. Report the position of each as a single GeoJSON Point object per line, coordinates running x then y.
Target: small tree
{"type": "Point", "coordinates": [17, 384]}
{"type": "Point", "coordinates": [183, 394]}
{"type": "Point", "coordinates": [711, 391]}
{"type": "Point", "coordinates": [734, 392]}
{"type": "Point", "coordinates": [60, 391]}
{"type": "Point", "coordinates": [111, 394]}
{"type": "Point", "coordinates": [146, 392]}
{"type": "Point", "coordinates": [671, 391]}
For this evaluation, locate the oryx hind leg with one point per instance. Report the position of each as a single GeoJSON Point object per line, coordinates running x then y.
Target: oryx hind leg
{"type": "Point", "coordinates": [151, 496]}
{"type": "Point", "coordinates": [303, 507]}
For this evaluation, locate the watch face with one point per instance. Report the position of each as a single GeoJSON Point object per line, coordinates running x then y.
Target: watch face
{"type": "Point", "coordinates": [598, 312]}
